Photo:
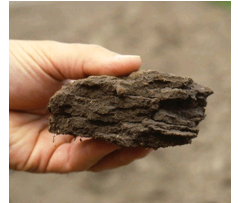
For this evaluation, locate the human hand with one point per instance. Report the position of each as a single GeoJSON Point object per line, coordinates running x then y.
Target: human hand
{"type": "Point", "coordinates": [38, 69]}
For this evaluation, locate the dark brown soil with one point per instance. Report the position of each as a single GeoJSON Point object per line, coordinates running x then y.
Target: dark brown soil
{"type": "Point", "coordinates": [146, 108]}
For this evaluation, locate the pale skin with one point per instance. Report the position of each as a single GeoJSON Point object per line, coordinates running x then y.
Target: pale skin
{"type": "Point", "coordinates": [37, 70]}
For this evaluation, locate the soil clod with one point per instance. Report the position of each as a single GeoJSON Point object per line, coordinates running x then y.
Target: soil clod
{"type": "Point", "coordinates": [146, 108]}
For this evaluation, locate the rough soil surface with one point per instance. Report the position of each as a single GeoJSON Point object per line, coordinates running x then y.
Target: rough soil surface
{"type": "Point", "coordinates": [184, 38]}
{"type": "Point", "coordinates": [146, 108]}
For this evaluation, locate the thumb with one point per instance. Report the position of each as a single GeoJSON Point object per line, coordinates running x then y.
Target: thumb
{"type": "Point", "coordinates": [38, 68]}
{"type": "Point", "coordinates": [74, 61]}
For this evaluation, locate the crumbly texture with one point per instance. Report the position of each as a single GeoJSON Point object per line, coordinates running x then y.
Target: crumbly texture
{"type": "Point", "coordinates": [146, 108]}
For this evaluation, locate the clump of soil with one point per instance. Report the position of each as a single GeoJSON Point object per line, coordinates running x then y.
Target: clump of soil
{"type": "Point", "coordinates": [146, 108]}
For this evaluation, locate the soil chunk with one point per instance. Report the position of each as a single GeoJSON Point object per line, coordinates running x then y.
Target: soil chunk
{"type": "Point", "coordinates": [146, 108]}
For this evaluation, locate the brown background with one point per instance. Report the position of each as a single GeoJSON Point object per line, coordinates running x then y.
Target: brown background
{"type": "Point", "coordinates": [184, 38]}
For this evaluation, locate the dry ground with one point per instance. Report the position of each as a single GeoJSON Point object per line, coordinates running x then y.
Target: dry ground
{"type": "Point", "coordinates": [183, 38]}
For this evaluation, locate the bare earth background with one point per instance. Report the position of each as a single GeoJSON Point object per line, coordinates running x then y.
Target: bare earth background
{"type": "Point", "coordinates": [184, 38]}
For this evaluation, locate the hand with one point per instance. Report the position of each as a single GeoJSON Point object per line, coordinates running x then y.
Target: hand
{"type": "Point", "coordinates": [37, 70]}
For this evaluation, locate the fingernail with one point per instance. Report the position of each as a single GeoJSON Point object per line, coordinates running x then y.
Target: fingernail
{"type": "Point", "coordinates": [127, 56]}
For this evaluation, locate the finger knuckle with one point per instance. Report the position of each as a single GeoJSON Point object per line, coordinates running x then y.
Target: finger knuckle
{"type": "Point", "coordinates": [96, 47]}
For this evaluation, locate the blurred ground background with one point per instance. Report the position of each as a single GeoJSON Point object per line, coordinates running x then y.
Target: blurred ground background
{"type": "Point", "coordinates": [184, 38]}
